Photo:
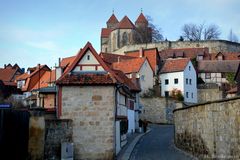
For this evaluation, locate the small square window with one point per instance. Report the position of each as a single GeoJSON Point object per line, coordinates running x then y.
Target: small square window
{"type": "Point", "coordinates": [166, 82]}
{"type": "Point", "coordinates": [186, 80]}
{"type": "Point", "coordinates": [189, 68]}
{"type": "Point", "coordinates": [175, 81]}
{"type": "Point", "coordinates": [207, 75]}
{"type": "Point", "coordinates": [88, 57]}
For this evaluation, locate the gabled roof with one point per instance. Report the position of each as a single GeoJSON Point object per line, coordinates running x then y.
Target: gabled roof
{"type": "Point", "coordinates": [66, 79]}
{"type": "Point", "coordinates": [7, 74]}
{"type": "Point", "coordinates": [45, 79]}
{"type": "Point", "coordinates": [112, 19]}
{"type": "Point", "coordinates": [141, 19]}
{"type": "Point", "coordinates": [215, 66]}
{"type": "Point", "coordinates": [174, 65]}
{"type": "Point", "coordinates": [129, 66]}
{"type": "Point", "coordinates": [31, 82]}
{"type": "Point", "coordinates": [106, 32]}
{"type": "Point", "coordinates": [22, 76]}
{"type": "Point", "coordinates": [110, 77]}
{"type": "Point", "coordinates": [125, 23]}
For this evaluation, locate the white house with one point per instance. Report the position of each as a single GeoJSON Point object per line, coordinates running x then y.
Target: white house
{"type": "Point", "coordinates": [179, 74]}
{"type": "Point", "coordinates": [137, 68]}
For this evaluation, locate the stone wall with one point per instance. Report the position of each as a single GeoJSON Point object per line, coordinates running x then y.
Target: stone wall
{"type": "Point", "coordinates": [209, 130]}
{"type": "Point", "coordinates": [205, 95]}
{"type": "Point", "coordinates": [213, 45]}
{"type": "Point", "coordinates": [36, 135]}
{"type": "Point", "coordinates": [158, 110]}
{"type": "Point", "coordinates": [92, 110]}
{"type": "Point", "coordinates": [56, 132]}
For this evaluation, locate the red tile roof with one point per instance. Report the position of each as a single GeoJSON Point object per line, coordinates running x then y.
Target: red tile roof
{"type": "Point", "coordinates": [111, 58]}
{"type": "Point", "coordinates": [185, 53]}
{"type": "Point", "coordinates": [110, 77]}
{"type": "Point", "coordinates": [129, 66]}
{"type": "Point", "coordinates": [7, 74]}
{"type": "Point", "coordinates": [151, 54]}
{"type": "Point", "coordinates": [106, 32]}
{"type": "Point", "coordinates": [112, 19]}
{"type": "Point", "coordinates": [141, 19]}
{"type": "Point", "coordinates": [67, 61]}
{"type": "Point", "coordinates": [125, 23]}
{"type": "Point", "coordinates": [226, 55]}
{"type": "Point", "coordinates": [174, 65]}
{"type": "Point", "coordinates": [22, 76]}
{"type": "Point", "coordinates": [33, 79]}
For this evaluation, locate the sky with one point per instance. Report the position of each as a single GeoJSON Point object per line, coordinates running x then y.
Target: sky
{"type": "Point", "coordinates": [41, 31]}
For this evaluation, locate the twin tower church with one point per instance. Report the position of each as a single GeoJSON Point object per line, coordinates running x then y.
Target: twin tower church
{"type": "Point", "coordinates": [118, 34]}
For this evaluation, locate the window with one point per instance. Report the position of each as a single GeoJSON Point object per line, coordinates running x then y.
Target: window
{"type": "Point", "coordinates": [207, 75]}
{"type": "Point", "coordinates": [175, 81]}
{"type": "Point", "coordinates": [166, 82]}
{"type": "Point", "coordinates": [166, 94]}
{"type": "Point", "coordinates": [192, 95]}
{"type": "Point", "coordinates": [190, 81]}
{"type": "Point", "coordinates": [186, 94]}
{"type": "Point", "coordinates": [189, 68]}
{"type": "Point", "coordinates": [223, 75]}
{"type": "Point", "coordinates": [186, 80]}
{"type": "Point", "coordinates": [124, 39]}
{"type": "Point", "coordinates": [88, 57]}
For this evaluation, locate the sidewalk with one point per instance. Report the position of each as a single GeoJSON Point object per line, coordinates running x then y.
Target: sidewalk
{"type": "Point", "coordinates": [132, 139]}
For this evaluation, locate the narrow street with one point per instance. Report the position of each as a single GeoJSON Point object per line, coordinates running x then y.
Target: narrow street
{"type": "Point", "coordinates": [158, 145]}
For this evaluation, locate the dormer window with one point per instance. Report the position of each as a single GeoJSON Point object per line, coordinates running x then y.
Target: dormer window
{"type": "Point", "coordinates": [88, 57]}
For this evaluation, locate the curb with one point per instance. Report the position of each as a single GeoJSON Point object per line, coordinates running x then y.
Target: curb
{"type": "Point", "coordinates": [131, 146]}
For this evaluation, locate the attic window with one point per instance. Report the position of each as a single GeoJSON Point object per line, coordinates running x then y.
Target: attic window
{"type": "Point", "coordinates": [88, 57]}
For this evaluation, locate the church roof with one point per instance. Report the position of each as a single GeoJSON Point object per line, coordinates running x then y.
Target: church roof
{"type": "Point", "coordinates": [112, 19]}
{"type": "Point", "coordinates": [141, 19]}
{"type": "Point", "coordinates": [106, 32]}
{"type": "Point", "coordinates": [125, 23]}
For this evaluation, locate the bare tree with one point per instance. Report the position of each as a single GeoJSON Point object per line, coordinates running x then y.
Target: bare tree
{"type": "Point", "coordinates": [211, 32]}
{"type": "Point", "coordinates": [148, 34]}
{"type": "Point", "coordinates": [232, 36]}
{"type": "Point", "coordinates": [200, 32]}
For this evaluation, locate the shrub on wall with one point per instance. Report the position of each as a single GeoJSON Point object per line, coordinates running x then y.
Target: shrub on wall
{"type": "Point", "coordinates": [176, 94]}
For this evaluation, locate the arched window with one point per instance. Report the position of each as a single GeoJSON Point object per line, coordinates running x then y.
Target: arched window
{"type": "Point", "coordinates": [124, 39]}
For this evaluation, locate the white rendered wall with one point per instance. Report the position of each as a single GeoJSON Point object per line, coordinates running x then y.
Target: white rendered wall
{"type": "Point", "coordinates": [147, 73]}
{"type": "Point", "coordinates": [171, 85]}
{"type": "Point", "coordinates": [190, 73]}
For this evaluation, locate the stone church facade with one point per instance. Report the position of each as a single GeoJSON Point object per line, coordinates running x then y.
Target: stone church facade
{"type": "Point", "coordinates": [119, 34]}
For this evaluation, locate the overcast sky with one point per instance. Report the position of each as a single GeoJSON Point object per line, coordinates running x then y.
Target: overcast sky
{"type": "Point", "coordinates": [40, 31]}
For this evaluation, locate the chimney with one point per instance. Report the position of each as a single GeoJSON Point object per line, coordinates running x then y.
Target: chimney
{"type": "Point", "coordinates": [5, 66]}
{"type": "Point", "coordinates": [141, 52]}
{"type": "Point", "coordinates": [59, 61]}
{"type": "Point", "coordinates": [118, 59]}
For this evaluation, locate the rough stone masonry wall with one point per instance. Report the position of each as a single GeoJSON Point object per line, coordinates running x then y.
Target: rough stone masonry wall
{"type": "Point", "coordinates": [92, 110]}
{"type": "Point", "coordinates": [213, 45]}
{"type": "Point", "coordinates": [205, 95]}
{"type": "Point", "coordinates": [56, 132]}
{"type": "Point", "coordinates": [210, 130]}
{"type": "Point", "coordinates": [156, 109]}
